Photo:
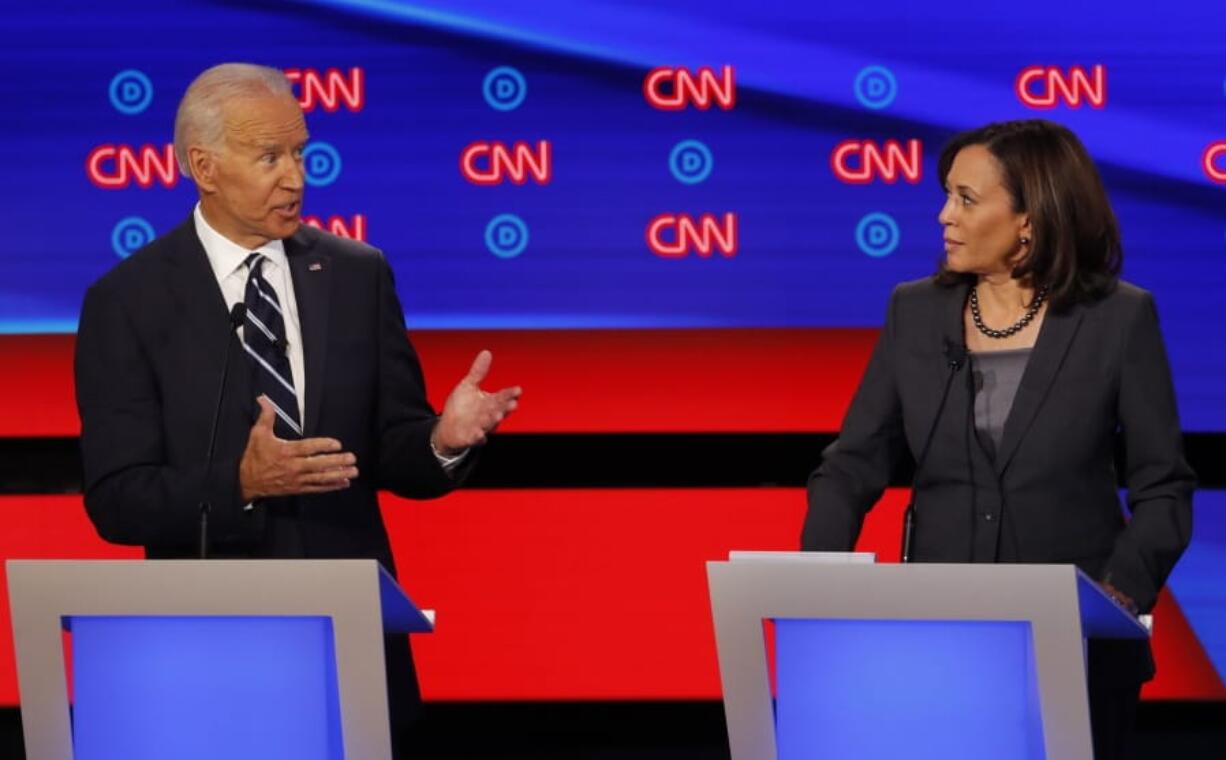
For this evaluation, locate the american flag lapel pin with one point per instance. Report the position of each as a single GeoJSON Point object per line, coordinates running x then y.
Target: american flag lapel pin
{"type": "Point", "coordinates": [315, 266]}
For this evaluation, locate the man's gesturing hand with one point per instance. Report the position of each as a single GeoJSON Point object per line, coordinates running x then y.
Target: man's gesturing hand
{"type": "Point", "coordinates": [272, 466]}
{"type": "Point", "coordinates": [470, 413]}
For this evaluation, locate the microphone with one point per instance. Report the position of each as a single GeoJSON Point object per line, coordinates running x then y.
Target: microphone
{"type": "Point", "coordinates": [955, 354]}
{"type": "Point", "coordinates": [955, 358]}
{"type": "Point", "coordinates": [237, 314]}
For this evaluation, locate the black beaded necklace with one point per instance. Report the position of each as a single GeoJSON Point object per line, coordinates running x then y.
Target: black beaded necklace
{"type": "Point", "coordinates": [1017, 326]}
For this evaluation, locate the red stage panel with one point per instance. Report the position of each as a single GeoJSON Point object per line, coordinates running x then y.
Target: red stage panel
{"type": "Point", "coordinates": [36, 387]}
{"type": "Point", "coordinates": [42, 527]}
{"type": "Point", "coordinates": [568, 594]}
{"type": "Point", "coordinates": [578, 381]}
{"type": "Point", "coordinates": [1184, 668]}
{"type": "Point", "coordinates": [565, 594]}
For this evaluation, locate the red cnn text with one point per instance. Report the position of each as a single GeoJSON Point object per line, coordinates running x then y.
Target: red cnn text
{"type": "Point", "coordinates": [114, 167]}
{"type": "Point", "coordinates": [1045, 87]}
{"type": "Point", "coordinates": [354, 227]}
{"type": "Point", "coordinates": [330, 89]}
{"type": "Point", "coordinates": [492, 163]}
{"type": "Point", "coordinates": [672, 89]}
{"type": "Point", "coordinates": [675, 236]}
{"type": "Point", "coordinates": [859, 162]}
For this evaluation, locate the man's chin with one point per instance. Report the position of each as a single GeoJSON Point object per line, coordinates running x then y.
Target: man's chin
{"type": "Point", "coordinates": [286, 227]}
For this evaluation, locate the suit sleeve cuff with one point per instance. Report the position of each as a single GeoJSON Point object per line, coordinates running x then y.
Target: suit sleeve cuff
{"type": "Point", "coordinates": [448, 463]}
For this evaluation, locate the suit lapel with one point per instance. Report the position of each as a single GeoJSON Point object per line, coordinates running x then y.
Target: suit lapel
{"type": "Point", "coordinates": [203, 308]}
{"type": "Point", "coordinates": [950, 327]}
{"type": "Point", "coordinates": [1049, 351]}
{"type": "Point", "coordinates": [311, 270]}
{"type": "Point", "coordinates": [949, 341]}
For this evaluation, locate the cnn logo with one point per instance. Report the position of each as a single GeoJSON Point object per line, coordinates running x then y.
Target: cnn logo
{"type": "Point", "coordinates": [1045, 87]}
{"type": "Point", "coordinates": [859, 162]}
{"type": "Point", "coordinates": [353, 228]}
{"type": "Point", "coordinates": [669, 88]}
{"type": "Point", "coordinates": [675, 236]}
{"type": "Point", "coordinates": [114, 167]}
{"type": "Point", "coordinates": [331, 89]}
{"type": "Point", "coordinates": [491, 163]}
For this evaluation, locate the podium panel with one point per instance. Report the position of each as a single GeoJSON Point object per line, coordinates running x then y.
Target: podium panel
{"type": "Point", "coordinates": [200, 688]}
{"type": "Point", "coordinates": [841, 690]}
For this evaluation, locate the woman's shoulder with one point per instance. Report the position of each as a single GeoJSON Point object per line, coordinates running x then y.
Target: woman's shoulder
{"type": "Point", "coordinates": [1125, 292]}
{"type": "Point", "coordinates": [1121, 300]}
{"type": "Point", "coordinates": [924, 293]}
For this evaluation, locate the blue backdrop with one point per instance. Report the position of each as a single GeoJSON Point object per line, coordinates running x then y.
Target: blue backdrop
{"type": "Point", "coordinates": [811, 249]}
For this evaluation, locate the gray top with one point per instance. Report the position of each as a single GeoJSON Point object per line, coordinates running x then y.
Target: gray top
{"type": "Point", "coordinates": [997, 375]}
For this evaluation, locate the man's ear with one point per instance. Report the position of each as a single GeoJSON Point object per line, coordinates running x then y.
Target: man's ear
{"type": "Point", "coordinates": [202, 164]}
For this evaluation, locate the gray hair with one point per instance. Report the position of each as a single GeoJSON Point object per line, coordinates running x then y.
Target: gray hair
{"type": "Point", "coordinates": [199, 118]}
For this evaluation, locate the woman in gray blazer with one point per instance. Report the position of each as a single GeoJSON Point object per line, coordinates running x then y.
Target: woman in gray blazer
{"type": "Point", "coordinates": [1010, 378]}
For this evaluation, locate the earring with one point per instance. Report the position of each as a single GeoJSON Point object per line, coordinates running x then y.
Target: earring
{"type": "Point", "coordinates": [1025, 241]}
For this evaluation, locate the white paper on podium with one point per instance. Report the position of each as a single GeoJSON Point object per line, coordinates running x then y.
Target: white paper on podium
{"type": "Point", "coordinates": [816, 558]}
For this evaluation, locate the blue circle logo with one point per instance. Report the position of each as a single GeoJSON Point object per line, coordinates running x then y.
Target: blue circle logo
{"type": "Point", "coordinates": [321, 164]}
{"type": "Point", "coordinates": [130, 235]}
{"type": "Point", "coordinates": [876, 87]}
{"type": "Point", "coordinates": [506, 236]}
{"type": "Point", "coordinates": [504, 88]}
{"type": "Point", "coordinates": [690, 162]}
{"type": "Point", "coordinates": [877, 234]}
{"type": "Point", "coordinates": [131, 91]}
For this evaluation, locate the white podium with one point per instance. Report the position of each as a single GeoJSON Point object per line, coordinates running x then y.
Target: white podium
{"type": "Point", "coordinates": [206, 659]}
{"type": "Point", "coordinates": [932, 660]}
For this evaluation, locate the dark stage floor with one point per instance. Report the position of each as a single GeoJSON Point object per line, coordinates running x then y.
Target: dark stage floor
{"type": "Point", "coordinates": [681, 731]}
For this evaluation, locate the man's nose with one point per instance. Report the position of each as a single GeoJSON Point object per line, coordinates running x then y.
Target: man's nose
{"type": "Point", "coordinates": [294, 177]}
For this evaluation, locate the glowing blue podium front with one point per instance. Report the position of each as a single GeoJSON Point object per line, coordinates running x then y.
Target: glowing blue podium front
{"type": "Point", "coordinates": [922, 661]}
{"type": "Point", "coordinates": [190, 659]}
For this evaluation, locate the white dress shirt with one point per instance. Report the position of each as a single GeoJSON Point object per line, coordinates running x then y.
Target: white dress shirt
{"type": "Point", "coordinates": [227, 257]}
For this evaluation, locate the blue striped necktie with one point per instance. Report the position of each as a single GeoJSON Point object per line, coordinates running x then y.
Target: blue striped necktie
{"type": "Point", "coordinates": [265, 344]}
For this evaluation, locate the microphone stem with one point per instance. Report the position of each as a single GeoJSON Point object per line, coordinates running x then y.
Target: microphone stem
{"type": "Point", "coordinates": [237, 314]}
{"type": "Point", "coordinates": [908, 518]}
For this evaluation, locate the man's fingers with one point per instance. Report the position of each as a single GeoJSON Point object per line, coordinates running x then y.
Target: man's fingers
{"type": "Point", "coordinates": [325, 462]}
{"type": "Point", "coordinates": [338, 485]}
{"type": "Point", "coordinates": [329, 476]}
{"type": "Point", "coordinates": [309, 447]}
{"type": "Point", "coordinates": [315, 483]}
{"type": "Point", "coordinates": [508, 396]}
{"type": "Point", "coordinates": [480, 368]}
{"type": "Point", "coordinates": [267, 414]}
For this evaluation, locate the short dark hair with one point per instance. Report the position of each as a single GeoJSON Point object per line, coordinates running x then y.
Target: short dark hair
{"type": "Point", "coordinates": [1075, 249]}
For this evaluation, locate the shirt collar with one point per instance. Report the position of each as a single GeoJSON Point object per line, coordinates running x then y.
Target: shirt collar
{"type": "Point", "coordinates": [226, 256]}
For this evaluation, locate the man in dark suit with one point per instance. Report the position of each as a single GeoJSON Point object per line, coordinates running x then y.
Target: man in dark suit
{"type": "Point", "coordinates": [324, 402]}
